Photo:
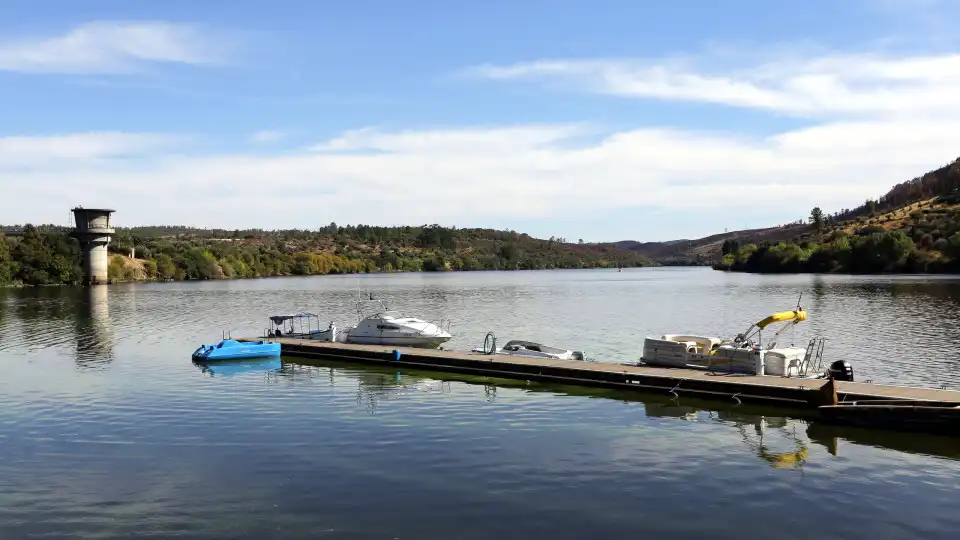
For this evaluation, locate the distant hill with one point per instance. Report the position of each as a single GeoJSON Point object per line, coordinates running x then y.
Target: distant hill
{"type": "Point", "coordinates": [707, 250]}
{"type": "Point", "coordinates": [910, 206]}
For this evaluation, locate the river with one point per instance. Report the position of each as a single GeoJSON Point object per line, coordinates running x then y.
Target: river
{"type": "Point", "coordinates": [108, 430]}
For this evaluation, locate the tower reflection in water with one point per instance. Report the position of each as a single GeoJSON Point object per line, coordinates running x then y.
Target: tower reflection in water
{"type": "Point", "coordinates": [94, 331]}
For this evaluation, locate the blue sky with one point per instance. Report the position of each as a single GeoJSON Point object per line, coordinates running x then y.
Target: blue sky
{"type": "Point", "coordinates": [601, 120]}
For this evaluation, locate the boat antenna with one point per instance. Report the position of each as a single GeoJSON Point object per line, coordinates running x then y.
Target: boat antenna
{"type": "Point", "coordinates": [359, 312]}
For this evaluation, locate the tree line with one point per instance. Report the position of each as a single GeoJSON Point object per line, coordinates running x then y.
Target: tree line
{"type": "Point", "coordinates": [49, 256]}
{"type": "Point", "coordinates": [927, 240]}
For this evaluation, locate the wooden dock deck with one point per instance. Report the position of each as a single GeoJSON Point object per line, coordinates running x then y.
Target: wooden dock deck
{"type": "Point", "coordinates": [792, 392]}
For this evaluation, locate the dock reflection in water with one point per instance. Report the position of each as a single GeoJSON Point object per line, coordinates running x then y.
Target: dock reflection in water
{"type": "Point", "coordinates": [782, 441]}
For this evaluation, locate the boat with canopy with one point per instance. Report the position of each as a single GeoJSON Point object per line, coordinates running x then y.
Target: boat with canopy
{"type": "Point", "coordinates": [300, 326]}
{"type": "Point", "coordinates": [745, 353]}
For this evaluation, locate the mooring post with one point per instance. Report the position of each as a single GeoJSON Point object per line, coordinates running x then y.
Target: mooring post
{"type": "Point", "coordinates": [827, 394]}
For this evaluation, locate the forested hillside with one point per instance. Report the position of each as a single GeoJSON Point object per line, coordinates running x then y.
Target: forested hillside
{"type": "Point", "coordinates": [48, 256]}
{"type": "Point", "coordinates": [914, 228]}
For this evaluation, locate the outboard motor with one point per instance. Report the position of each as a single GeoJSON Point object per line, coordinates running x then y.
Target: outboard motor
{"type": "Point", "coordinates": [841, 370]}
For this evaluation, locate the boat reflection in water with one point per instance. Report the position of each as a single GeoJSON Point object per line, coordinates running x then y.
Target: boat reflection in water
{"type": "Point", "coordinates": [774, 435]}
{"type": "Point", "coordinates": [374, 388]}
{"type": "Point", "coordinates": [772, 438]}
{"type": "Point", "coordinates": [229, 368]}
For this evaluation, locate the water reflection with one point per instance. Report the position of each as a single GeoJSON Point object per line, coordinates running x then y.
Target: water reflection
{"type": "Point", "coordinates": [774, 439]}
{"type": "Point", "coordinates": [4, 300]}
{"type": "Point", "coordinates": [374, 388]}
{"type": "Point", "coordinates": [833, 438]}
{"type": "Point", "coordinates": [773, 435]}
{"type": "Point", "coordinates": [229, 368]}
{"type": "Point", "coordinates": [44, 313]}
{"type": "Point", "coordinates": [157, 446]}
{"type": "Point", "coordinates": [52, 317]}
{"type": "Point", "coordinates": [94, 332]}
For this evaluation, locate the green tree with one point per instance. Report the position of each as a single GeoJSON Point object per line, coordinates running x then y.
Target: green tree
{"type": "Point", "coordinates": [49, 258]}
{"type": "Point", "coordinates": [881, 252]}
{"type": "Point", "coordinates": [730, 246]}
{"type": "Point", "coordinates": [7, 267]}
{"type": "Point", "coordinates": [116, 269]}
{"type": "Point", "coordinates": [816, 219]}
{"type": "Point", "coordinates": [166, 269]}
{"type": "Point", "coordinates": [952, 247]}
{"type": "Point", "coordinates": [150, 268]}
{"type": "Point", "coordinates": [871, 207]}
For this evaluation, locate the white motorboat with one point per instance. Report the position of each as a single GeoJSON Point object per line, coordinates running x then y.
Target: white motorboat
{"type": "Point", "coordinates": [519, 347]}
{"type": "Point", "coordinates": [395, 329]}
{"type": "Point", "coordinates": [300, 326]}
{"type": "Point", "coordinates": [741, 354]}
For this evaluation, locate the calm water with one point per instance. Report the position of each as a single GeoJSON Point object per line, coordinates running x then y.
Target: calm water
{"type": "Point", "coordinates": [107, 429]}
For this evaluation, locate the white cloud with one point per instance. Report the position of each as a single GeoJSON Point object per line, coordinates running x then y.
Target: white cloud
{"type": "Point", "coordinates": [850, 85]}
{"type": "Point", "coordinates": [473, 139]}
{"type": "Point", "coordinates": [470, 177]}
{"type": "Point", "coordinates": [880, 121]}
{"type": "Point", "coordinates": [57, 151]}
{"type": "Point", "coordinates": [267, 136]}
{"type": "Point", "coordinates": [109, 47]}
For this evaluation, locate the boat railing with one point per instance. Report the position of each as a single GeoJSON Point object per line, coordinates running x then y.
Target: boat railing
{"type": "Point", "coordinates": [490, 343]}
{"type": "Point", "coordinates": [442, 323]}
{"type": "Point", "coordinates": [813, 356]}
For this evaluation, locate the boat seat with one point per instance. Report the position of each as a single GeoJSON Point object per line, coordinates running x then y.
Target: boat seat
{"type": "Point", "coordinates": [793, 366]}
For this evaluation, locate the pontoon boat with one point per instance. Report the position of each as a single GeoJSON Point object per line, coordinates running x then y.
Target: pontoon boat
{"type": "Point", "coordinates": [741, 354]}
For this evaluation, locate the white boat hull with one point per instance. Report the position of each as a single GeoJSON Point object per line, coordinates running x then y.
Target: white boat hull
{"type": "Point", "coordinates": [535, 350]}
{"type": "Point", "coordinates": [419, 342]}
{"type": "Point", "coordinates": [389, 330]}
{"type": "Point", "coordinates": [325, 335]}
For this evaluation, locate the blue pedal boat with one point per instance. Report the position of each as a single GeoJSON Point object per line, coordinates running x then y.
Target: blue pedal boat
{"type": "Point", "coordinates": [230, 349]}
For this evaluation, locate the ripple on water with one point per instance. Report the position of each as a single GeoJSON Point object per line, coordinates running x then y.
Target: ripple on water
{"type": "Point", "coordinates": [146, 443]}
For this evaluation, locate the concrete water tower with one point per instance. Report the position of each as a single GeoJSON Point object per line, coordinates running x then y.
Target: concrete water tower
{"type": "Point", "coordinates": [92, 229]}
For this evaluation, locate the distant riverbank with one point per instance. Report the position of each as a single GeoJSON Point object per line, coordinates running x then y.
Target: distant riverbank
{"type": "Point", "coordinates": [870, 251]}
{"type": "Point", "coordinates": [51, 257]}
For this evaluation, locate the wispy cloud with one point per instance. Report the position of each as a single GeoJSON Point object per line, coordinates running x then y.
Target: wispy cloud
{"type": "Point", "coordinates": [267, 136]}
{"type": "Point", "coordinates": [56, 151]}
{"type": "Point", "coordinates": [445, 141]}
{"type": "Point", "coordinates": [474, 176]}
{"type": "Point", "coordinates": [852, 85]}
{"type": "Point", "coordinates": [111, 47]}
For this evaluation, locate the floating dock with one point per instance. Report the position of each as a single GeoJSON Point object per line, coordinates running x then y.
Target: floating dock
{"type": "Point", "coordinates": [792, 392]}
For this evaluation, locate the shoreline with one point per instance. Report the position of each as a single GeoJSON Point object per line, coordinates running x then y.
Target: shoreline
{"type": "Point", "coordinates": [404, 272]}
